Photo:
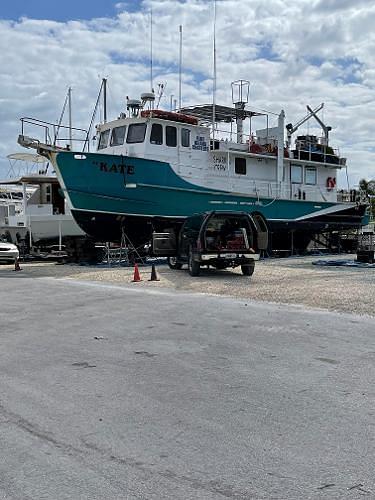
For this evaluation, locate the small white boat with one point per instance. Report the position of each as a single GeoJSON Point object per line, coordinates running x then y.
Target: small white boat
{"type": "Point", "coordinates": [33, 207]}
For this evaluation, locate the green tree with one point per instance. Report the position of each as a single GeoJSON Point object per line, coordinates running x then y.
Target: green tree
{"type": "Point", "coordinates": [368, 187]}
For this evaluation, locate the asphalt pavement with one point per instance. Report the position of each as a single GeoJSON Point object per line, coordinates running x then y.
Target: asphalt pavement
{"type": "Point", "coordinates": [121, 392]}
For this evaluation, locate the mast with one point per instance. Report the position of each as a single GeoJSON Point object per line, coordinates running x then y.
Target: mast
{"type": "Point", "coordinates": [214, 80]}
{"type": "Point", "coordinates": [70, 117]}
{"type": "Point", "coordinates": [180, 72]}
{"type": "Point", "coordinates": [280, 148]}
{"type": "Point", "coordinates": [240, 97]}
{"type": "Point", "coordinates": [87, 139]}
{"type": "Point", "coordinates": [151, 75]}
{"type": "Point", "coordinates": [105, 99]}
{"type": "Point", "coordinates": [57, 129]}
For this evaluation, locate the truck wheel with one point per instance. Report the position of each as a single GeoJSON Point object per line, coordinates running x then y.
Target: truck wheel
{"type": "Point", "coordinates": [248, 270]}
{"type": "Point", "coordinates": [173, 263]}
{"type": "Point", "coordinates": [193, 267]}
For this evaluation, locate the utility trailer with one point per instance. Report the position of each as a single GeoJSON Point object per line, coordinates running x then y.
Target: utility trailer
{"type": "Point", "coordinates": [220, 239]}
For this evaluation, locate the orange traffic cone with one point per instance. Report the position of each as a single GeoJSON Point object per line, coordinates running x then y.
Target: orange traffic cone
{"type": "Point", "coordinates": [154, 276]}
{"type": "Point", "coordinates": [17, 265]}
{"type": "Point", "coordinates": [137, 276]}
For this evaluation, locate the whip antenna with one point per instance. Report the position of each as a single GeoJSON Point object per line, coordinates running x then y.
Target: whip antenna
{"type": "Point", "coordinates": [214, 79]}
{"type": "Point", "coordinates": [151, 75]}
{"type": "Point", "coordinates": [180, 72]}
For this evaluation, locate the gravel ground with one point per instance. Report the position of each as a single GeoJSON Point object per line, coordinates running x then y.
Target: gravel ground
{"type": "Point", "coordinates": [292, 280]}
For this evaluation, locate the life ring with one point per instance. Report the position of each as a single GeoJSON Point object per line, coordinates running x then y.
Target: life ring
{"type": "Point", "coordinates": [169, 115]}
{"type": "Point", "coordinates": [256, 149]}
{"type": "Point", "coordinates": [331, 183]}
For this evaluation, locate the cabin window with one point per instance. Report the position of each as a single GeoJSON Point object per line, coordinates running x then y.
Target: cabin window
{"type": "Point", "coordinates": [310, 175]}
{"type": "Point", "coordinates": [103, 139]}
{"type": "Point", "coordinates": [240, 166]}
{"type": "Point", "coordinates": [136, 133]}
{"type": "Point", "coordinates": [171, 136]}
{"type": "Point", "coordinates": [118, 136]}
{"type": "Point", "coordinates": [48, 193]}
{"type": "Point", "coordinates": [296, 174]}
{"type": "Point", "coordinates": [185, 137]}
{"type": "Point", "coordinates": [156, 136]}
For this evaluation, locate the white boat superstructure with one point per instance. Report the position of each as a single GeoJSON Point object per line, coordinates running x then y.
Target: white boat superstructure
{"type": "Point", "coordinates": [261, 162]}
{"type": "Point", "coordinates": [32, 206]}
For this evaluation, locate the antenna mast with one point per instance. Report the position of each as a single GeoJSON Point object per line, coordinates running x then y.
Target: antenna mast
{"type": "Point", "coordinates": [105, 99]}
{"type": "Point", "coordinates": [214, 81]}
{"type": "Point", "coordinates": [57, 130]}
{"type": "Point", "coordinates": [70, 117]}
{"type": "Point", "coordinates": [151, 75]}
{"type": "Point", "coordinates": [180, 72]}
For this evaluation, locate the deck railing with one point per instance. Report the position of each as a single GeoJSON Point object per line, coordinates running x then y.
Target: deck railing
{"type": "Point", "coordinates": [51, 132]}
{"type": "Point", "coordinates": [268, 146]}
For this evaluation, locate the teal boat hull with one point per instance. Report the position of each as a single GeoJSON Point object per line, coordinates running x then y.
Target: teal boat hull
{"type": "Point", "coordinates": [109, 193]}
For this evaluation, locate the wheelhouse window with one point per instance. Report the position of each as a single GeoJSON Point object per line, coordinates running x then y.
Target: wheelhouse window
{"type": "Point", "coordinates": [185, 137]}
{"type": "Point", "coordinates": [240, 166]}
{"type": "Point", "coordinates": [136, 133]}
{"type": "Point", "coordinates": [296, 174]}
{"type": "Point", "coordinates": [103, 139]}
{"type": "Point", "coordinates": [171, 136]}
{"type": "Point", "coordinates": [156, 136]}
{"type": "Point", "coordinates": [310, 175]}
{"type": "Point", "coordinates": [118, 136]}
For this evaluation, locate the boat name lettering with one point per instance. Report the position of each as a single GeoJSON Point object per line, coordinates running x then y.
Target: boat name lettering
{"type": "Point", "coordinates": [200, 143]}
{"type": "Point", "coordinates": [117, 169]}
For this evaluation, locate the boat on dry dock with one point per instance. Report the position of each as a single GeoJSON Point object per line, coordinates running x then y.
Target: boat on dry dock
{"type": "Point", "coordinates": [33, 207]}
{"type": "Point", "coordinates": [153, 168]}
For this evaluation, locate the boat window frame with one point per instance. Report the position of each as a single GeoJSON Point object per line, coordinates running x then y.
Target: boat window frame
{"type": "Point", "coordinates": [311, 169]}
{"type": "Point", "coordinates": [155, 143]}
{"type": "Point", "coordinates": [294, 166]}
{"type": "Point", "coordinates": [134, 126]}
{"type": "Point", "coordinates": [167, 137]}
{"type": "Point", "coordinates": [105, 133]}
{"type": "Point", "coordinates": [188, 135]}
{"type": "Point", "coordinates": [123, 137]}
{"type": "Point", "coordinates": [243, 166]}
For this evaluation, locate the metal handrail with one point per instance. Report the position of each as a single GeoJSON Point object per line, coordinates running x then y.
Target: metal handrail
{"type": "Point", "coordinates": [46, 126]}
{"type": "Point", "coordinates": [325, 156]}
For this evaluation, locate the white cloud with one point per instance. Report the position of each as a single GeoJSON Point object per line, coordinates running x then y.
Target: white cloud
{"type": "Point", "coordinates": [293, 53]}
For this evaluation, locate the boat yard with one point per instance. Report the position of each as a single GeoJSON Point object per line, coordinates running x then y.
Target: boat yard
{"type": "Point", "coordinates": [155, 382]}
{"type": "Point", "coordinates": [293, 280]}
{"type": "Point", "coordinates": [187, 259]}
{"type": "Point", "coordinates": [212, 387]}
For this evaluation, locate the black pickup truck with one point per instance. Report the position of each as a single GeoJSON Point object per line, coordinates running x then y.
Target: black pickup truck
{"type": "Point", "coordinates": [219, 239]}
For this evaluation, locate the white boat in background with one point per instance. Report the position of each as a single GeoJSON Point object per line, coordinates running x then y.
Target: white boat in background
{"type": "Point", "coordinates": [32, 205]}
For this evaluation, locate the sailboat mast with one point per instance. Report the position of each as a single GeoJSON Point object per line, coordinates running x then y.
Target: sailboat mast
{"type": "Point", "coordinates": [57, 129]}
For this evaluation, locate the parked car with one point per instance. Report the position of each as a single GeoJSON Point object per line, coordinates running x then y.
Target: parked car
{"type": "Point", "coordinates": [8, 251]}
{"type": "Point", "coordinates": [219, 239]}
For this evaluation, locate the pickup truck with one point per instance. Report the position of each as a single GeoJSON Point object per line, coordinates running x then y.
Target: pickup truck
{"type": "Point", "coordinates": [219, 239]}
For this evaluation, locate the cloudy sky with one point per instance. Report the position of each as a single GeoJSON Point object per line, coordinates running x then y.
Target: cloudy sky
{"type": "Point", "coordinates": [293, 53]}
